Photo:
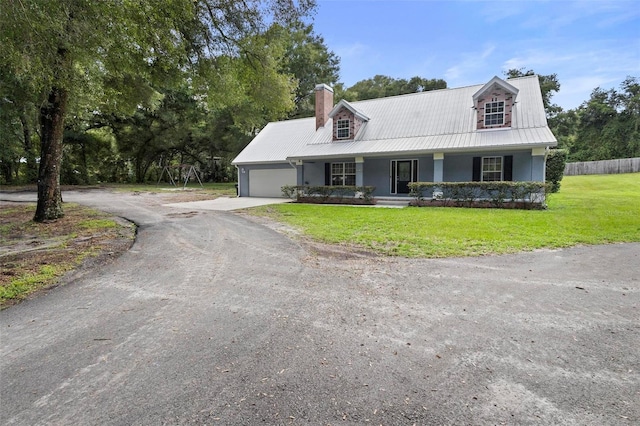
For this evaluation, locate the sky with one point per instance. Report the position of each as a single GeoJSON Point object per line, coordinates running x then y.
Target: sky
{"type": "Point", "coordinates": [587, 43]}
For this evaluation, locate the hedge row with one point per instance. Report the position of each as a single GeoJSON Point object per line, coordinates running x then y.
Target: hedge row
{"type": "Point", "coordinates": [467, 194]}
{"type": "Point", "coordinates": [330, 194]}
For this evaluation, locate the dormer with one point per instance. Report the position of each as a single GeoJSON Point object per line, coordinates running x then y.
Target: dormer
{"type": "Point", "coordinates": [347, 121]}
{"type": "Point", "coordinates": [494, 104]}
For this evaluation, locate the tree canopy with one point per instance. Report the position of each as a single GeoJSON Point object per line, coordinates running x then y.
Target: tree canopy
{"type": "Point", "coordinates": [549, 85]}
{"type": "Point", "coordinates": [381, 86]}
{"type": "Point", "coordinates": [609, 124]}
{"type": "Point", "coordinates": [73, 57]}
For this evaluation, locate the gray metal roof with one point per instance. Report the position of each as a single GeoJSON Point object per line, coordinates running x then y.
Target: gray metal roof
{"type": "Point", "coordinates": [426, 122]}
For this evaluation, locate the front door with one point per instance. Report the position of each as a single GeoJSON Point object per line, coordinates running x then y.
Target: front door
{"type": "Point", "coordinates": [403, 173]}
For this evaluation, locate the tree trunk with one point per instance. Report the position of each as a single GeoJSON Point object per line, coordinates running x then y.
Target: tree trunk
{"type": "Point", "coordinates": [52, 125]}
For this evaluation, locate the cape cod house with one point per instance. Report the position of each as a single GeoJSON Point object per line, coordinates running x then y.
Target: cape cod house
{"type": "Point", "coordinates": [487, 132]}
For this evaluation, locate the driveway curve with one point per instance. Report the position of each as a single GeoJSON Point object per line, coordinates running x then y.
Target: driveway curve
{"type": "Point", "coordinates": [212, 318]}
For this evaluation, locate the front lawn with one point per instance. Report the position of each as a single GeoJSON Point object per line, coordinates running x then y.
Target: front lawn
{"type": "Point", "coordinates": [596, 209]}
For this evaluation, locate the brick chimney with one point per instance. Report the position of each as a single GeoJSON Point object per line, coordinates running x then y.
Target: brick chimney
{"type": "Point", "coordinates": [324, 104]}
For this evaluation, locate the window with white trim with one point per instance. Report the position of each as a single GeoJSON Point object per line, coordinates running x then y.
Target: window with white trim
{"type": "Point", "coordinates": [491, 169]}
{"type": "Point", "coordinates": [343, 174]}
{"type": "Point", "coordinates": [494, 113]}
{"type": "Point", "coordinates": [343, 128]}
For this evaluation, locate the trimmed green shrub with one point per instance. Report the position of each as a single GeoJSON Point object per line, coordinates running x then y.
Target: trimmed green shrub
{"type": "Point", "coordinates": [330, 194]}
{"type": "Point", "coordinates": [556, 161]}
{"type": "Point", "coordinates": [479, 194]}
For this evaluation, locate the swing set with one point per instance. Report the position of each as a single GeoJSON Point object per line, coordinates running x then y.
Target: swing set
{"type": "Point", "coordinates": [186, 170]}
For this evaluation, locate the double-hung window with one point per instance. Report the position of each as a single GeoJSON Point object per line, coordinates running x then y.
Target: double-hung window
{"type": "Point", "coordinates": [343, 128]}
{"type": "Point", "coordinates": [491, 169]}
{"type": "Point", "coordinates": [494, 113]}
{"type": "Point", "coordinates": [343, 174]}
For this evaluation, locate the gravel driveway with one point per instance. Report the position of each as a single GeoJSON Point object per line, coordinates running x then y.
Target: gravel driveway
{"type": "Point", "coordinates": [213, 318]}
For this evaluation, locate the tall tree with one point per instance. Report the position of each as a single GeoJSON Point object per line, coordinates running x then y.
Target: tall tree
{"type": "Point", "coordinates": [116, 51]}
{"type": "Point", "coordinates": [549, 85]}
{"type": "Point", "coordinates": [609, 124]}
{"type": "Point", "coordinates": [381, 86]}
{"type": "Point", "coordinates": [308, 59]}
{"type": "Point", "coordinates": [17, 128]}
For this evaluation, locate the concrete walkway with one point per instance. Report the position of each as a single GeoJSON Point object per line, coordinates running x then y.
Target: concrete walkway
{"type": "Point", "coordinates": [228, 203]}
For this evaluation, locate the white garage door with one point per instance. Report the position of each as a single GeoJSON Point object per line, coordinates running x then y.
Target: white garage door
{"type": "Point", "coordinates": [267, 183]}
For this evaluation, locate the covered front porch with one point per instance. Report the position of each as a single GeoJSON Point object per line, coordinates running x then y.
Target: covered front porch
{"type": "Point", "coordinates": [391, 175]}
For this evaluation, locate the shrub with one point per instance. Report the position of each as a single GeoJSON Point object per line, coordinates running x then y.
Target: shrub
{"type": "Point", "coordinates": [290, 191]}
{"type": "Point", "coordinates": [556, 161]}
{"type": "Point", "coordinates": [330, 194]}
{"type": "Point", "coordinates": [479, 194]}
{"type": "Point", "coordinates": [365, 192]}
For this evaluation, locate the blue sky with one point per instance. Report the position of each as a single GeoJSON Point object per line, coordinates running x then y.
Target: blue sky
{"type": "Point", "coordinates": [588, 43]}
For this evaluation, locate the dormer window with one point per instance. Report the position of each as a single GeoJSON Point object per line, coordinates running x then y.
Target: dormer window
{"type": "Point", "coordinates": [494, 113]}
{"type": "Point", "coordinates": [494, 104]}
{"type": "Point", "coordinates": [343, 129]}
{"type": "Point", "coordinates": [347, 121]}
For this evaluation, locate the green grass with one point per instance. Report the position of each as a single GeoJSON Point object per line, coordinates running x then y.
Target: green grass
{"type": "Point", "coordinates": [596, 209]}
{"type": "Point", "coordinates": [27, 283]}
{"type": "Point", "coordinates": [225, 188]}
{"type": "Point", "coordinates": [96, 225]}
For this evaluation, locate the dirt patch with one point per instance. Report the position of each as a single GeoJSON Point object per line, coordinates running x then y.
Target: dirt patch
{"type": "Point", "coordinates": [316, 248]}
{"type": "Point", "coordinates": [33, 256]}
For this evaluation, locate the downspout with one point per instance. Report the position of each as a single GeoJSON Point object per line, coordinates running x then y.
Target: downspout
{"type": "Point", "coordinates": [238, 184]}
{"type": "Point", "coordinates": [295, 167]}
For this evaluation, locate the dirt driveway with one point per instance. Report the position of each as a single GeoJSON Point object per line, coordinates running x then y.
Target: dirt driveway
{"type": "Point", "coordinates": [213, 318]}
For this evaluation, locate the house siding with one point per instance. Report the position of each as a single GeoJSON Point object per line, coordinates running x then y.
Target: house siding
{"type": "Point", "coordinates": [459, 167]}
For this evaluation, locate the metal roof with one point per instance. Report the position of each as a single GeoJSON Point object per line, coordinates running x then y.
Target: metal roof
{"type": "Point", "coordinates": [426, 122]}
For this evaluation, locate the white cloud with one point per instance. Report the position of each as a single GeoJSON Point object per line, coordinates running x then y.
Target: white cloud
{"type": "Point", "coordinates": [580, 68]}
{"type": "Point", "coordinates": [354, 50]}
{"type": "Point", "coordinates": [466, 71]}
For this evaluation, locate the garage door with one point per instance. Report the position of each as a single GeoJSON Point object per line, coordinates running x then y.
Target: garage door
{"type": "Point", "coordinates": [267, 183]}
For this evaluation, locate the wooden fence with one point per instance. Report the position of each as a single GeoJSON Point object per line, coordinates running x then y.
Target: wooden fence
{"type": "Point", "coordinates": [605, 167]}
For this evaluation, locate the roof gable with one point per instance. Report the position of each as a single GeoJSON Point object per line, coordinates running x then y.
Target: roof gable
{"type": "Point", "coordinates": [350, 107]}
{"type": "Point", "coordinates": [495, 81]}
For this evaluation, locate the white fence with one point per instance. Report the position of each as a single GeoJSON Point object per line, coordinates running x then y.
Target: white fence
{"type": "Point", "coordinates": [604, 167]}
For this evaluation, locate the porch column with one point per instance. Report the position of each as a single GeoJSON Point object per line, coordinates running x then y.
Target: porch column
{"type": "Point", "coordinates": [438, 166]}
{"type": "Point", "coordinates": [538, 164]}
{"type": "Point", "coordinates": [299, 173]}
{"type": "Point", "coordinates": [359, 171]}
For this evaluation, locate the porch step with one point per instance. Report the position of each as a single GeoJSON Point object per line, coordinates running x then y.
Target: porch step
{"type": "Point", "coordinates": [399, 202]}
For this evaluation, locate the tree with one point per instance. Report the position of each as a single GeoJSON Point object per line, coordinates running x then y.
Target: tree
{"type": "Point", "coordinates": [609, 124]}
{"type": "Point", "coordinates": [549, 85]}
{"type": "Point", "coordinates": [17, 130]}
{"type": "Point", "coordinates": [116, 51]}
{"type": "Point", "coordinates": [309, 60]}
{"type": "Point", "coordinates": [381, 86]}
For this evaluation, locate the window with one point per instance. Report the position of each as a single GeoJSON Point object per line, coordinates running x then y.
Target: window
{"type": "Point", "coordinates": [343, 174]}
{"type": "Point", "coordinates": [343, 129]}
{"type": "Point", "coordinates": [491, 169]}
{"type": "Point", "coordinates": [494, 113]}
